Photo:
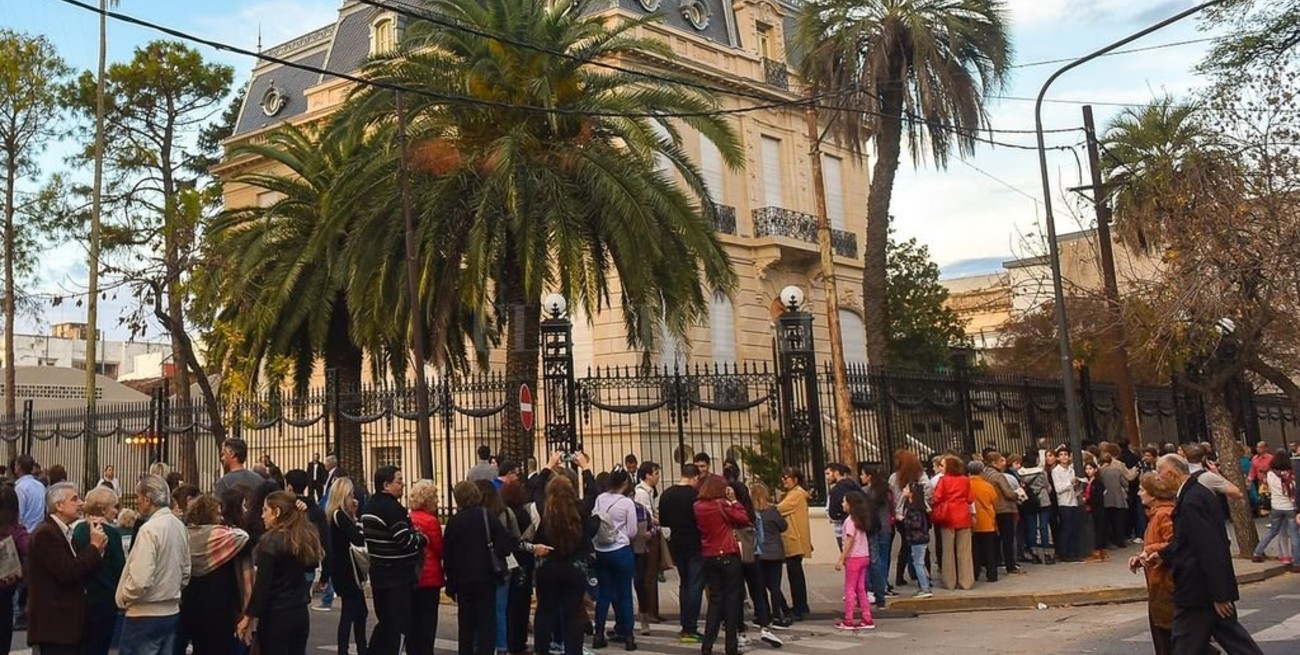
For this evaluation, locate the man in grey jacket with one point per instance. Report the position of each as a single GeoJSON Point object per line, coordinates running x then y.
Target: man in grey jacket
{"type": "Point", "coordinates": [157, 569]}
{"type": "Point", "coordinates": [1006, 508]}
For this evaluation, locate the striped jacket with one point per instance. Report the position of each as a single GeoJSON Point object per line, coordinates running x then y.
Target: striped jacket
{"type": "Point", "coordinates": [395, 547]}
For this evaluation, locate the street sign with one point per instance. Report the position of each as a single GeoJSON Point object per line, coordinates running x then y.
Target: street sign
{"type": "Point", "coordinates": [526, 407]}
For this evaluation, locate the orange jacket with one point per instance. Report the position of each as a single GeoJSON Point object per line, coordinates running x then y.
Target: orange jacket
{"type": "Point", "coordinates": [985, 498]}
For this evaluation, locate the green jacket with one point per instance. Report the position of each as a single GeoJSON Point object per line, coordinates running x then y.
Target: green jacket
{"type": "Point", "coordinates": [101, 588]}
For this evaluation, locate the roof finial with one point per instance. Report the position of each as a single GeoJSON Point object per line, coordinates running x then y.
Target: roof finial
{"type": "Point", "coordinates": [259, 38]}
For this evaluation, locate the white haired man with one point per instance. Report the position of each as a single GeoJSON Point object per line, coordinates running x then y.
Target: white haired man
{"type": "Point", "coordinates": [57, 574]}
{"type": "Point", "coordinates": [157, 570]}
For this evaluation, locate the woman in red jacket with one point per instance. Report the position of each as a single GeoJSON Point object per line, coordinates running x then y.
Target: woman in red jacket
{"type": "Point", "coordinates": [951, 514]}
{"type": "Point", "coordinates": [428, 591]}
{"type": "Point", "coordinates": [716, 514]}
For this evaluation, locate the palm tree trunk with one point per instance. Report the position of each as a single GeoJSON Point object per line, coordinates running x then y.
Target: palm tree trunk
{"type": "Point", "coordinates": [523, 336]}
{"type": "Point", "coordinates": [888, 148]}
{"type": "Point", "coordinates": [843, 402]}
{"type": "Point", "coordinates": [345, 358]}
{"type": "Point", "coordinates": [1223, 434]}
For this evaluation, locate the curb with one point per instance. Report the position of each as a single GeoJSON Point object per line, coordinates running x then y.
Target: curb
{"type": "Point", "coordinates": [1031, 600]}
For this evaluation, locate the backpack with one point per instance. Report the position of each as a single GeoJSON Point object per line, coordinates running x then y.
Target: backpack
{"type": "Point", "coordinates": [1032, 502]}
{"type": "Point", "coordinates": [606, 533]}
{"type": "Point", "coordinates": [916, 525]}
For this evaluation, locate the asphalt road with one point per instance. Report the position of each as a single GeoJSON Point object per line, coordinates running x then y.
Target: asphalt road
{"type": "Point", "coordinates": [1270, 610]}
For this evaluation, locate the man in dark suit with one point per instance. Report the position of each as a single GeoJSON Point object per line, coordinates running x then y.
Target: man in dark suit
{"type": "Point", "coordinates": [1205, 587]}
{"type": "Point", "coordinates": [57, 574]}
{"type": "Point", "coordinates": [318, 475]}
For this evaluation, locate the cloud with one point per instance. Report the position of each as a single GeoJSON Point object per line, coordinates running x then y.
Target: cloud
{"type": "Point", "coordinates": [1093, 11]}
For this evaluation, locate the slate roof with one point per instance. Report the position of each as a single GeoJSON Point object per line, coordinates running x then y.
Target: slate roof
{"type": "Point", "coordinates": [344, 46]}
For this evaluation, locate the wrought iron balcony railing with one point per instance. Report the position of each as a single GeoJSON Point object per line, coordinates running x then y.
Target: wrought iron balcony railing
{"type": "Point", "coordinates": [724, 220]}
{"type": "Point", "coordinates": [776, 74]}
{"type": "Point", "coordinates": [781, 222]}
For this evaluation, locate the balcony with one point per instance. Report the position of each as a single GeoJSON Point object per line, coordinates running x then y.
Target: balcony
{"type": "Point", "coordinates": [781, 222]}
{"type": "Point", "coordinates": [775, 74]}
{"type": "Point", "coordinates": [724, 220]}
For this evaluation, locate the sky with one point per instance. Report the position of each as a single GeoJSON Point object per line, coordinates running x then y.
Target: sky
{"type": "Point", "coordinates": [973, 216]}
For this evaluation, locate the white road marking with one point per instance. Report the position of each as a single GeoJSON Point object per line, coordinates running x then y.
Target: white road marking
{"type": "Point", "coordinates": [1145, 637]}
{"type": "Point", "coordinates": [1284, 631]}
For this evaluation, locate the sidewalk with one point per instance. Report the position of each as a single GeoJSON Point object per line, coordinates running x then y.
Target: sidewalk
{"type": "Point", "coordinates": [1054, 586]}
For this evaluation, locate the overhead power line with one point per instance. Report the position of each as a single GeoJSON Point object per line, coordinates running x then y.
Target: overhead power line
{"type": "Point", "coordinates": [1129, 51]}
{"type": "Point", "coordinates": [455, 98]}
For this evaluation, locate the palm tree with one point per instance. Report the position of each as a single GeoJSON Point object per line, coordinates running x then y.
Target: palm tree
{"type": "Point", "coordinates": [552, 176]}
{"type": "Point", "coordinates": [275, 288]}
{"type": "Point", "coordinates": [1146, 152]}
{"type": "Point", "coordinates": [890, 69]}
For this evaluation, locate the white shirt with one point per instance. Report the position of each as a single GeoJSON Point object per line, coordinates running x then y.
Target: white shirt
{"type": "Point", "coordinates": [1063, 481]}
{"type": "Point", "coordinates": [622, 513]}
{"type": "Point", "coordinates": [648, 497]}
{"type": "Point", "coordinates": [1280, 500]}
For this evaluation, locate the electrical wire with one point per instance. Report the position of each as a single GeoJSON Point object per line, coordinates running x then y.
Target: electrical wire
{"type": "Point", "coordinates": [1128, 51]}
{"type": "Point", "coordinates": [453, 98]}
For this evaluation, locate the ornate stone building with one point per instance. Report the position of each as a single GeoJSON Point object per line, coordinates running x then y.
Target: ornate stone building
{"type": "Point", "coordinates": [766, 216]}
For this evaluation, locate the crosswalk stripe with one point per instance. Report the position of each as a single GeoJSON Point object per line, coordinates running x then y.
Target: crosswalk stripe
{"type": "Point", "coordinates": [1284, 631]}
{"type": "Point", "coordinates": [1287, 597]}
{"type": "Point", "coordinates": [1145, 637]}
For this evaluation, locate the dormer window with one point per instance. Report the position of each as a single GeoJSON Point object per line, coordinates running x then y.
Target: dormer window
{"type": "Point", "coordinates": [383, 35]}
{"type": "Point", "coordinates": [765, 41]}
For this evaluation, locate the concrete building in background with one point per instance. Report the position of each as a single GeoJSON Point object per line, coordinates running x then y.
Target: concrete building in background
{"type": "Point", "coordinates": [65, 347]}
{"type": "Point", "coordinates": [988, 302]}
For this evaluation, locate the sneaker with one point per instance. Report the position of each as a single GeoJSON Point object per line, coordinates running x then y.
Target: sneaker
{"type": "Point", "coordinates": [556, 649]}
{"type": "Point", "coordinates": [1285, 559]}
{"type": "Point", "coordinates": [845, 625]}
{"type": "Point", "coordinates": [891, 593]}
{"type": "Point", "coordinates": [866, 625]}
{"type": "Point", "coordinates": [322, 608]}
{"type": "Point", "coordinates": [871, 597]}
{"type": "Point", "coordinates": [1257, 558]}
{"type": "Point", "coordinates": [743, 641]}
{"type": "Point", "coordinates": [770, 639]}
{"type": "Point", "coordinates": [689, 638]}
{"type": "Point", "coordinates": [924, 593]}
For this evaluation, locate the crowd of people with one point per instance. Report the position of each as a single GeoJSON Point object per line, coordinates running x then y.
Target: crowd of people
{"type": "Point", "coordinates": [234, 570]}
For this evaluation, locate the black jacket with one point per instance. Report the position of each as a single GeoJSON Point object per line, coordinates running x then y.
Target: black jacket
{"type": "Point", "coordinates": [835, 506]}
{"type": "Point", "coordinates": [281, 581]}
{"type": "Point", "coordinates": [1199, 553]}
{"type": "Point", "coordinates": [677, 513]}
{"type": "Point", "coordinates": [465, 559]}
{"type": "Point", "coordinates": [344, 533]}
{"type": "Point", "coordinates": [395, 547]}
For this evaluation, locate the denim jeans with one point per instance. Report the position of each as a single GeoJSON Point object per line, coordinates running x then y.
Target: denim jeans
{"type": "Point", "coordinates": [1040, 529]}
{"type": "Point", "coordinates": [690, 588]}
{"type": "Point", "coordinates": [149, 635]}
{"type": "Point", "coordinates": [879, 573]}
{"type": "Point", "coordinates": [1279, 520]}
{"type": "Point", "coordinates": [615, 570]}
{"type": "Point", "coordinates": [918, 555]}
{"type": "Point", "coordinates": [502, 597]}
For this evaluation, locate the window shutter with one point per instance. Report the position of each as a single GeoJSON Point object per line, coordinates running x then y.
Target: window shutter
{"type": "Point", "coordinates": [833, 181]}
{"type": "Point", "coordinates": [722, 329]}
{"type": "Point", "coordinates": [771, 153]}
{"type": "Point", "coordinates": [711, 169]}
{"type": "Point", "coordinates": [853, 335]}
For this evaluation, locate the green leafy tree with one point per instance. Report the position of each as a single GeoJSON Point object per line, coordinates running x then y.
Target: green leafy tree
{"type": "Point", "coordinates": [922, 329]}
{"type": "Point", "coordinates": [155, 106]}
{"type": "Point", "coordinates": [1259, 34]}
{"type": "Point", "coordinates": [555, 186]}
{"type": "Point", "coordinates": [32, 77]}
{"type": "Point", "coordinates": [914, 70]}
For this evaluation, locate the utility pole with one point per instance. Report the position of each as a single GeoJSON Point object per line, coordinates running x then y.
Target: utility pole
{"type": "Point", "coordinates": [1117, 332]}
{"type": "Point", "coordinates": [96, 217]}
{"type": "Point", "coordinates": [423, 437]}
{"type": "Point", "coordinates": [839, 372]}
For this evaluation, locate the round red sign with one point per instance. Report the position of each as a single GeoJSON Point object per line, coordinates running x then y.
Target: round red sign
{"type": "Point", "coordinates": [525, 407]}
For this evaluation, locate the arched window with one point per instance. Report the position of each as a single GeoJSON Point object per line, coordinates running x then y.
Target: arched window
{"type": "Point", "coordinates": [854, 337]}
{"type": "Point", "coordinates": [383, 35]}
{"type": "Point", "coordinates": [722, 329]}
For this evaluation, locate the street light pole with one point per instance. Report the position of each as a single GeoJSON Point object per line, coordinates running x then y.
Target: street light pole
{"type": "Point", "coordinates": [1072, 411]}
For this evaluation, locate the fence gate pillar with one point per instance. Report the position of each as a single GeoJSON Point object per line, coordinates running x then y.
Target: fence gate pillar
{"type": "Point", "coordinates": [961, 364]}
{"type": "Point", "coordinates": [801, 420]}
{"type": "Point", "coordinates": [559, 389]}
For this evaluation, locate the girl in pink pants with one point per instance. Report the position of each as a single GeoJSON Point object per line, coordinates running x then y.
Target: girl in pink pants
{"type": "Point", "coordinates": [854, 561]}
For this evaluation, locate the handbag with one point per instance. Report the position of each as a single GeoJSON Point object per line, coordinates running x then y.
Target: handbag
{"type": "Point", "coordinates": [499, 567]}
{"type": "Point", "coordinates": [745, 536]}
{"type": "Point", "coordinates": [665, 554]}
{"type": "Point", "coordinates": [360, 562]}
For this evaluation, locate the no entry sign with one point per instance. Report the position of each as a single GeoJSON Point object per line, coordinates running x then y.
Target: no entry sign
{"type": "Point", "coordinates": [526, 407]}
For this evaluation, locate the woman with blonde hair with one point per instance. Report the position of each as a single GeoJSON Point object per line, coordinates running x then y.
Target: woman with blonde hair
{"type": "Point", "coordinates": [101, 608]}
{"type": "Point", "coordinates": [1158, 494]}
{"type": "Point", "coordinates": [288, 550]}
{"type": "Point", "coordinates": [341, 516]}
{"type": "Point", "coordinates": [771, 556]}
{"type": "Point", "coordinates": [428, 590]}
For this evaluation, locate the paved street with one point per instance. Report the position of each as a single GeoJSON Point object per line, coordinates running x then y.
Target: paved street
{"type": "Point", "coordinates": [1269, 609]}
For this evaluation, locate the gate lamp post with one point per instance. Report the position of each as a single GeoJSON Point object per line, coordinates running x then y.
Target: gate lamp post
{"type": "Point", "coordinates": [1072, 411]}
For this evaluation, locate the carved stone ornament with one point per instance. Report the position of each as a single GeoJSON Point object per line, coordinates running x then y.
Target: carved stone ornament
{"type": "Point", "coordinates": [696, 13]}
{"type": "Point", "coordinates": [274, 100]}
{"type": "Point", "coordinates": [650, 5]}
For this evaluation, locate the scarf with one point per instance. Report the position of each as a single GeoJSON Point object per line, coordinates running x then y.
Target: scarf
{"type": "Point", "coordinates": [212, 546]}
